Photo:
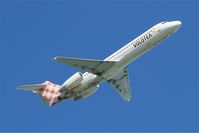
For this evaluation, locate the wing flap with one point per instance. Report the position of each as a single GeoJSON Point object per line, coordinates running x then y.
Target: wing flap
{"type": "Point", "coordinates": [97, 67]}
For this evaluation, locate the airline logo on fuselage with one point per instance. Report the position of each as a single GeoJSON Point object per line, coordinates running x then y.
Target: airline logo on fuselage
{"type": "Point", "coordinates": [142, 39]}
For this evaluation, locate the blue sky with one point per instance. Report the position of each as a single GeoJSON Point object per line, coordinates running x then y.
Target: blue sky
{"type": "Point", "coordinates": [164, 81]}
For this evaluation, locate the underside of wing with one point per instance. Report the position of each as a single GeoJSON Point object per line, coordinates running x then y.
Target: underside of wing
{"type": "Point", "coordinates": [121, 84]}
{"type": "Point", "coordinates": [97, 67]}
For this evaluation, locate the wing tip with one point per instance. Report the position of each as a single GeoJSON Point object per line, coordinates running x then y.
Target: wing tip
{"type": "Point", "coordinates": [127, 100]}
{"type": "Point", "coordinates": [20, 87]}
{"type": "Point", "coordinates": [58, 58]}
{"type": "Point", "coordinates": [55, 58]}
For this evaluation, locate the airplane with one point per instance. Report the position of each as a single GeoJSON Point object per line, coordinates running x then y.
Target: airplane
{"type": "Point", "coordinates": [112, 69]}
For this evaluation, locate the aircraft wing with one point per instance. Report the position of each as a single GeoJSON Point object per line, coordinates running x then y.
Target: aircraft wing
{"type": "Point", "coordinates": [34, 87]}
{"type": "Point", "coordinates": [97, 67]}
{"type": "Point", "coordinates": [121, 84]}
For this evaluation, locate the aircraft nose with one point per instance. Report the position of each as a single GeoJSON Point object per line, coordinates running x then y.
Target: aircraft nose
{"type": "Point", "coordinates": [175, 25]}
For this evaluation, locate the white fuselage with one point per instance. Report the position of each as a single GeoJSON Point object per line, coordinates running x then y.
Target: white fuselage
{"type": "Point", "coordinates": [129, 53]}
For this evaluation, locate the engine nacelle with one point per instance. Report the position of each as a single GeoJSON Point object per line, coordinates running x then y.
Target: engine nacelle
{"type": "Point", "coordinates": [72, 82]}
{"type": "Point", "coordinates": [87, 93]}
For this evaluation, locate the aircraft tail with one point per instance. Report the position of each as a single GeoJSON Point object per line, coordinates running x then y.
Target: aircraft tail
{"type": "Point", "coordinates": [47, 90]}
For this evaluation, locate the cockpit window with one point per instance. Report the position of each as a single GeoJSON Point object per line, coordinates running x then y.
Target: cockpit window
{"type": "Point", "coordinates": [164, 22]}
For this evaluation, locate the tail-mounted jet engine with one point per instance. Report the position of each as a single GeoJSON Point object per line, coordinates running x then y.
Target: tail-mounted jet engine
{"type": "Point", "coordinates": [86, 93]}
{"type": "Point", "coordinates": [72, 82]}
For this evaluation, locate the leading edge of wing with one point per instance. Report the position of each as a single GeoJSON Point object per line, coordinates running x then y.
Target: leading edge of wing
{"type": "Point", "coordinates": [97, 67]}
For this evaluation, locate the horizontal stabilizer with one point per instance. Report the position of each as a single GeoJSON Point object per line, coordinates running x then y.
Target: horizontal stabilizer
{"type": "Point", "coordinates": [47, 90]}
{"type": "Point", "coordinates": [34, 87]}
{"type": "Point", "coordinates": [97, 67]}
